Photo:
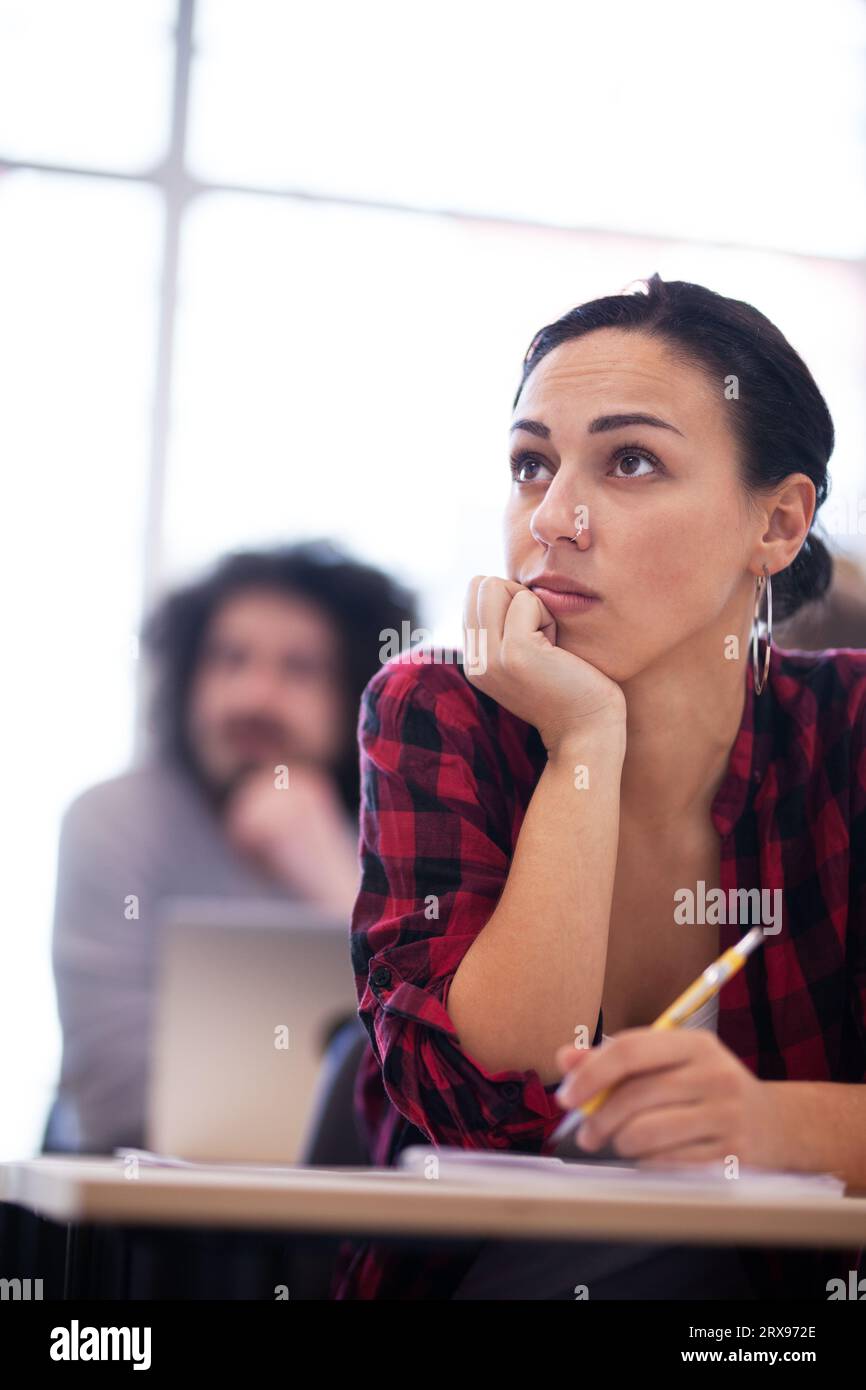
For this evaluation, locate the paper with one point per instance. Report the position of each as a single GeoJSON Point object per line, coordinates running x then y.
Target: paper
{"type": "Point", "coordinates": [485, 1165]}
{"type": "Point", "coordinates": [154, 1160]}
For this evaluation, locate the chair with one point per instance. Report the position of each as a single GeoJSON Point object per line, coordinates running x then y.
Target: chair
{"type": "Point", "coordinates": [61, 1135]}
{"type": "Point", "coordinates": [332, 1138]}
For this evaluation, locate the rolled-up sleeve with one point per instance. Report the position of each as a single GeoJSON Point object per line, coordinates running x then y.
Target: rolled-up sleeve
{"type": "Point", "coordinates": [435, 848]}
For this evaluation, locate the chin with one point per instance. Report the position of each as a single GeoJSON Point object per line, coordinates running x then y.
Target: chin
{"type": "Point", "coordinates": [574, 646]}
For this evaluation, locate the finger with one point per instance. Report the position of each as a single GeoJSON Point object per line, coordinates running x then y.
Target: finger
{"type": "Point", "coordinates": [704, 1152]}
{"type": "Point", "coordinates": [470, 602]}
{"type": "Point", "coordinates": [569, 1055]}
{"type": "Point", "coordinates": [495, 597]}
{"type": "Point", "coordinates": [471, 622]}
{"type": "Point", "coordinates": [632, 1052]}
{"type": "Point", "coordinates": [683, 1085]}
{"type": "Point", "coordinates": [527, 615]}
{"type": "Point", "coordinates": [664, 1129]}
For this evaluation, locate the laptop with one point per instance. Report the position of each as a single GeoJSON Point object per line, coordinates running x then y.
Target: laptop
{"type": "Point", "coordinates": [248, 996]}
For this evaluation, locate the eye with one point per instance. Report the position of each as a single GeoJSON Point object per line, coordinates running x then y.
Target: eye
{"type": "Point", "coordinates": [635, 451]}
{"type": "Point", "coordinates": [524, 459]}
{"type": "Point", "coordinates": [224, 654]}
{"type": "Point", "coordinates": [525, 464]}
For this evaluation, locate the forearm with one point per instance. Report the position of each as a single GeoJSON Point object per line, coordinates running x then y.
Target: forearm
{"type": "Point", "coordinates": [535, 972]}
{"type": "Point", "coordinates": [821, 1128]}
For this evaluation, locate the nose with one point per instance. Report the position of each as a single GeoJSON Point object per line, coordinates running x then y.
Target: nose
{"type": "Point", "coordinates": [559, 513]}
{"type": "Point", "coordinates": [256, 685]}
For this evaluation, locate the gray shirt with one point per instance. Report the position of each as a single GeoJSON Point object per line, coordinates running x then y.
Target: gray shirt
{"type": "Point", "coordinates": [125, 845]}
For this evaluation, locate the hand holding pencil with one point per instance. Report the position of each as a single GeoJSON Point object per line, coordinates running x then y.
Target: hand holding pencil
{"type": "Point", "coordinates": [707, 984]}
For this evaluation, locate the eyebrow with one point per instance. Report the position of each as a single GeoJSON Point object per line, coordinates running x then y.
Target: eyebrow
{"type": "Point", "coordinates": [600, 424]}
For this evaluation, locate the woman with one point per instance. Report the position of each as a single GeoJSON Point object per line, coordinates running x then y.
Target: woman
{"type": "Point", "coordinates": [533, 821]}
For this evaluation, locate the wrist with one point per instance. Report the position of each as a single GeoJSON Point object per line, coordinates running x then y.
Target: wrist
{"type": "Point", "coordinates": [798, 1126]}
{"type": "Point", "coordinates": [606, 729]}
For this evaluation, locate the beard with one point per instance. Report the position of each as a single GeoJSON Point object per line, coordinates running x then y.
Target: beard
{"type": "Point", "coordinates": [221, 774]}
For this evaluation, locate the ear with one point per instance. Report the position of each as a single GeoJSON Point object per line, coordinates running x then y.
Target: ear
{"type": "Point", "coordinates": [790, 510]}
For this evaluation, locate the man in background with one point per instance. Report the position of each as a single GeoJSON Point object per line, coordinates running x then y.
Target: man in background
{"type": "Point", "coordinates": [257, 667]}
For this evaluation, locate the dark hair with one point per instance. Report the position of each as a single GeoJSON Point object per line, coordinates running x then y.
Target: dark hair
{"type": "Point", "coordinates": [779, 418]}
{"type": "Point", "coordinates": [360, 601]}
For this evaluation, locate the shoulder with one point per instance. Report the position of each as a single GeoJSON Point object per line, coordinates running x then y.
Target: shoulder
{"type": "Point", "coordinates": [431, 680]}
{"type": "Point", "coordinates": [821, 688]}
{"type": "Point", "coordinates": [814, 728]}
{"type": "Point", "coordinates": [143, 793]}
{"type": "Point", "coordinates": [430, 686]}
{"type": "Point", "coordinates": [424, 700]}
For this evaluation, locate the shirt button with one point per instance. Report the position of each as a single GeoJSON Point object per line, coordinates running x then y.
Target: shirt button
{"type": "Point", "coordinates": [511, 1090]}
{"type": "Point", "coordinates": [381, 977]}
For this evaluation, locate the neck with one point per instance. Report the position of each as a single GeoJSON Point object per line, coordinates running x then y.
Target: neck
{"type": "Point", "coordinates": [683, 716]}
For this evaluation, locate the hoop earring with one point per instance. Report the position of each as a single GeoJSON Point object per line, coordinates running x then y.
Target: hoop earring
{"type": "Point", "coordinates": [763, 582]}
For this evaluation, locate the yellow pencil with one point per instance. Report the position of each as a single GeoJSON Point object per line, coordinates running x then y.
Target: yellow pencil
{"type": "Point", "coordinates": [691, 999]}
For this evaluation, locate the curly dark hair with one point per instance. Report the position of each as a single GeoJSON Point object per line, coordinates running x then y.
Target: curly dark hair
{"type": "Point", "coordinates": [361, 601]}
{"type": "Point", "coordinates": [779, 418]}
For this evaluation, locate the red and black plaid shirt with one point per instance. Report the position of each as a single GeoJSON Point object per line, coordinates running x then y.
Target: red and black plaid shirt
{"type": "Point", "coordinates": [447, 775]}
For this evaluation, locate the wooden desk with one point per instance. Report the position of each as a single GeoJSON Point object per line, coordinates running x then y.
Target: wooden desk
{"type": "Point", "coordinates": [83, 1193]}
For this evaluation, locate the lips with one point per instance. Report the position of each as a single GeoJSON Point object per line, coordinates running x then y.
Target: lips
{"type": "Point", "coordinates": [564, 601]}
{"type": "Point", "coordinates": [558, 584]}
{"type": "Point", "coordinates": [247, 737]}
{"type": "Point", "coordinates": [562, 591]}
